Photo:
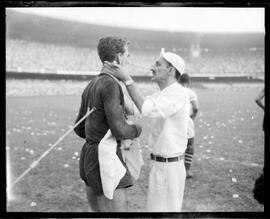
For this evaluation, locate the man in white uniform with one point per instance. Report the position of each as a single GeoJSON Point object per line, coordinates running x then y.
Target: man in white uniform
{"type": "Point", "coordinates": [169, 113]}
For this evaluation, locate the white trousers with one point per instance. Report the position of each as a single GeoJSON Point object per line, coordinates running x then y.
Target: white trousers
{"type": "Point", "coordinates": [166, 187]}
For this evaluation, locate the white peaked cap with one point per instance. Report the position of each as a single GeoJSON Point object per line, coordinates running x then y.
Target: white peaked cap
{"type": "Point", "coordinates": [174, 59]}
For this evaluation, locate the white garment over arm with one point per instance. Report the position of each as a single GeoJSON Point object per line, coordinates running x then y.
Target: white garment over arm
{"type": "Point", "coordinates": [111, 168]}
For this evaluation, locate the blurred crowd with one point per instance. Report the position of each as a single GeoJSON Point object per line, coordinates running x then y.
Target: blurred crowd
{"type": "Point", "coordinates": [33, 56]}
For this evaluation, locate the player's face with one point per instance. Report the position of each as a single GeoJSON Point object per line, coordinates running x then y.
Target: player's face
{"type": "Point", "coordinates": [160, 70]}
{"type": "Point", "coordinates": [123, 58]}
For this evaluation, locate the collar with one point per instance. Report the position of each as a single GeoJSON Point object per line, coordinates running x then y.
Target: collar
{"type": "Point", "coordinates": [107, 71]}
{"type": "Point", "coordinates": [172, 85]}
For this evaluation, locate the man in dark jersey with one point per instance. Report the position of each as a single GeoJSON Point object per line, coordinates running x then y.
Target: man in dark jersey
{"type": "Point", "coordinates": [106, 95]}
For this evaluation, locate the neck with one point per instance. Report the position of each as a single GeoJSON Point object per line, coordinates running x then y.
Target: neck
{"type": "Point", "coordinates": [105, 69]}
{"type": "Point", "coordinates": [163, 84]}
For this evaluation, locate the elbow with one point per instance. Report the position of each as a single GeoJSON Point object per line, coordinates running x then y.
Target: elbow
{"type": "Point", "coordinates": [80, 133]}
{"type": "Point", "coordinates": [123, 131]}
{"type": "Point", "coordinates": [118, 130]}
{"type": "Point", "coordinates": [118, 133]}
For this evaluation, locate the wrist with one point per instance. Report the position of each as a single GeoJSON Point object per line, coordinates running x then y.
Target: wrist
{"type": "Point", "coordinates": [128, 81]}
{"type": "Point", "coordinates": [127, 78]}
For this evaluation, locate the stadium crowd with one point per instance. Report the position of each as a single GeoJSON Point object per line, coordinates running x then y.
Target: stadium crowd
{"type": "Point", "coordinates": [34, 56]}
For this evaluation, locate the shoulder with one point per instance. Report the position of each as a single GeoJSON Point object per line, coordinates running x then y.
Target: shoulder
{"type": "Point", "coordinates": [107, 81]}
{"type": "Point", "coordinates": [108, 86]}
{"type": "Point", "coordinates": [181, 89]}
{"type": "Point", "coordinates": [192, 94]}
{"type": "Point", "coordinates": [106, 78]}
{"type": "Point", "coordinates": [177, 92]}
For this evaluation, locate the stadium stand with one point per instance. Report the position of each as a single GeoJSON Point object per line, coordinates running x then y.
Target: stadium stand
{"type": "Point", "coordinates": [22, 55]}
{"type": "Point", "coordinates": [36, 44]}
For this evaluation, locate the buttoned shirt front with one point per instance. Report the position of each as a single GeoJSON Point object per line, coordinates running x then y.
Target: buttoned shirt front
{"type": "Point", "coordinates": [169, 113]}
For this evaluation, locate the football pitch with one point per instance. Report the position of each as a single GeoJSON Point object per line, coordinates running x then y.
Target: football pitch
{"type": "Point", "coordinates": [229, 148]}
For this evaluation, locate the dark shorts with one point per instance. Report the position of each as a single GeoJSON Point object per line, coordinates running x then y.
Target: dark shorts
{"type": "Point", "coordinates": [90, 172]}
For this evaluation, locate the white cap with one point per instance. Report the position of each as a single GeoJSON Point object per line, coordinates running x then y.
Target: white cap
{"type": "Point", "coordinates": [174, 59]}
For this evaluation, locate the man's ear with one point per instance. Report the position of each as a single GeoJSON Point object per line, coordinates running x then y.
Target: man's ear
{"type": "Point", "coordinates": [118, 58]}
{"type": "Point", "coordinates": [171, 71]}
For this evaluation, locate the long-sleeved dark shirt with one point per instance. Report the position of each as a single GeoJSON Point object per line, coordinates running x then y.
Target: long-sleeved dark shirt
{"type": "Point", "coordinates": [104, 93]}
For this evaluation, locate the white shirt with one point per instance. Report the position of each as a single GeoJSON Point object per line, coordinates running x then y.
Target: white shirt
{"type": "Point", "coordinates": [192, 97]}
{"type": "Point", "coordinates": [169, 110]}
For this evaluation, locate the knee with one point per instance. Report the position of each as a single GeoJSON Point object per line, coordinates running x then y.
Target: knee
{"type": "Point", "coordinates": [120, 200]}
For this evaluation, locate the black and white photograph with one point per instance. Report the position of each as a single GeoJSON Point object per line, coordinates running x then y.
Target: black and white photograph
{"type": "Point", "coordinates": [135, 109]}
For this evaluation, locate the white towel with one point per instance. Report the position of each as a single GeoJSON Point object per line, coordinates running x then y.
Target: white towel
{"type": "Point", "coordinates": [132, 157]}
{"type": "Point", "coordinates": [111, 168]}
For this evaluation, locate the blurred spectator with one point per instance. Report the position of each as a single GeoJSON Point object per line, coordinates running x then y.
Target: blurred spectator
{"type": "Point", "coordinates": [34, 56]}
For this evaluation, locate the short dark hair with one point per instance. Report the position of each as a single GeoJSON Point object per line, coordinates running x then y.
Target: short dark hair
{"type": "Point", "coordinates": [109, 46]}
{"type": "Point", "coordinates": [177, 73]}
{"type": "Point", "coordinates": [184, 78]}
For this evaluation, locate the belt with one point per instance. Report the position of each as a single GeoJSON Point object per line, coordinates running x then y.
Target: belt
{"type": "Point", "coordinates": [164, 159]}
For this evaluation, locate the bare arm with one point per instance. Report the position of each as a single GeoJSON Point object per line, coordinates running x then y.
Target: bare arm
{"type": "Point", "coordinates": [259, 98]}
{"type": "Point", "coordinates": [136, 95]}
{"type": "Point", "coordinates": [130, 108]}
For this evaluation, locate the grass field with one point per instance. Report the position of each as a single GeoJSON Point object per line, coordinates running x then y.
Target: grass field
{"type": "Point", "coordinates": [229, 148]}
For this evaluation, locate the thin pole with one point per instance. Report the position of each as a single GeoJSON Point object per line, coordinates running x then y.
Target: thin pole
{"type": "Point", "coordinates": [35, 163]}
